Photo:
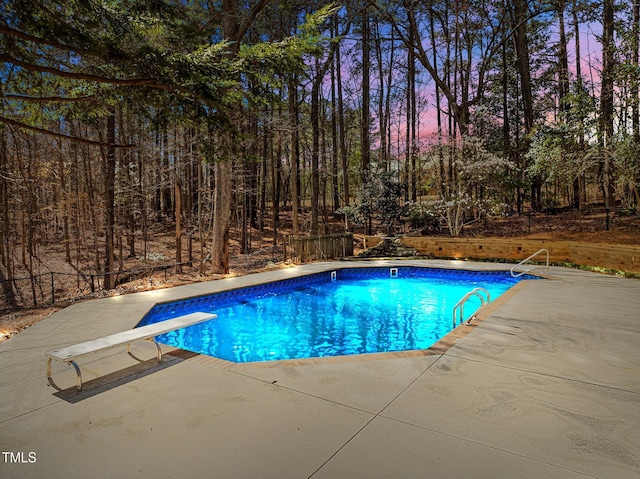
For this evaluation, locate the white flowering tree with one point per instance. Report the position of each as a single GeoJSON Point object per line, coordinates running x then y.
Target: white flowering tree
{"type": "Point", "coordinates": [466, 179]}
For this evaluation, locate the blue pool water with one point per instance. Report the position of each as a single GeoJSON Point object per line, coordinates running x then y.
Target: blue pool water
{"type": "Point", "coordinates": [363, 310]}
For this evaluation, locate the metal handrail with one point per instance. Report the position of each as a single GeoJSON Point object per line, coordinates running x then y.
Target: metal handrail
{"type": "Point", "coordinates": [460, 304]}
{"type": "Point", "coordinates": [546, 267]}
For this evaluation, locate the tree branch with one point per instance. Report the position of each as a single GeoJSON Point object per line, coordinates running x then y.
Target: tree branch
{"type": "Point", "coordinates": [149, 82]}
{"type": "Point", "coordinates": [253, 13]}
{"type": "Point", "coordinates": [46, 99]}
{"type": "Point", "coordinates": [42, 41]}
{"type": "Point", "coordinates": [62, 135]}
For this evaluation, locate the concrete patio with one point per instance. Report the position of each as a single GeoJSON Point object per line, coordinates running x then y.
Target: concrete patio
{"type": "Point", "coordinates": [547, 386]}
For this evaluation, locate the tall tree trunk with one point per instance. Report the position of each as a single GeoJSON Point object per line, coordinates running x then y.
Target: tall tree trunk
{"type": "Point", "coordinates": [245, 213]}
{"type": "Point", "coordinates": [606, 104]}
{"type": "Point", "coordinates": [178, 214]}
{"type": "Point", "coordinates": [387, 103]}
{"type": "Point", "coordinates": [109, 199]}
{"type": "Point", "coordinates": [200, 202]}
{"type": "Point", "coordinates": [579, 182]}
{"type": "Point", "coordinates": [341, 127]}
{"type": "Point", "coordinates": [166, 179]}
{"type": "Point", "coordinates": [315, 149]}
{"type": "Point", "coordinates": [524, 64]}
{"type": "Point", "coordinates": [65, 214]}
{"type": "Point", "coordinates": [382, 118]}
{"type": "Point", "coordinates": [365, 140]}
{"type": "Point", "coordinates": [408, 107]}
{"type": "Point", "coordinates": [142, 195]}
{"type": "Point", "coordinates": [6, 292]}
{"type": "Point", "coordinates": [130, 204]}
{"type": "Point", "coordinates": [563, 78]}
{"type": "Point", "coordinates": [267, 154]}
{"type": "Point", "coordinates": [224, 166]}
{"type": "Point", "coordinates": [519, 21]}
{"type": "Point", "coordinates": [414, 127]}
{"type": "Point", "coordinates": [157, 203]}
{"type": "Point", "coordinates": [506, 124]}
{"type": "Point", "coordinates": [443, 178]}
{"type": "Point", "coordinates": [335, 188]}
{"type": "Point", "coordinates": [294, 152]}
{"type": "Point", "coordinates": [276, 175]}
{"type": "Point", "coordinates": [222, 208]}
{"type": "Point", "coordinates": [233, 31]}
{"type": "Point", "coordinates": [563, 63]}
{"type": "Point", "coordinates": [324, 167]}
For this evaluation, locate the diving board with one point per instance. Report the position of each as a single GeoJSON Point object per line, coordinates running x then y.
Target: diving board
{"type": "Point", "coordinates": [70, 354]}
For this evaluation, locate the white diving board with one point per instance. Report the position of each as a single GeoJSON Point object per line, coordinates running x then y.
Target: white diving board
{"type": "Point", "coordinates": [70, 354]}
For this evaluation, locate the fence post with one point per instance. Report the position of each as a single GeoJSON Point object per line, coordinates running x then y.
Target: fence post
{"type": "Point", "coordinates": [284, 244]}
{"type": "Point", "coordinates": [33, 290]}
{"type": "Point", "coordinates": [93, 286]}
{"type": "Point", "coordinates": [53, 290]}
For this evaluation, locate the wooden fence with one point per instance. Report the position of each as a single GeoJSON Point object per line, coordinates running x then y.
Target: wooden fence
{"type": "Point", "coordinates": [300, 249]}
{"type": "Point", "coordinates": [613, 256]}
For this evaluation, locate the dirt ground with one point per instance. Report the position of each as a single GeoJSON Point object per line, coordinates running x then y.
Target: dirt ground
{"type": "Point", "coordinates": [589, 226]}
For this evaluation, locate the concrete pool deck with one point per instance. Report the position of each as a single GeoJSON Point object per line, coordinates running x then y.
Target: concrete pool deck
{"type": "Point", "coordinates": [547, 386]}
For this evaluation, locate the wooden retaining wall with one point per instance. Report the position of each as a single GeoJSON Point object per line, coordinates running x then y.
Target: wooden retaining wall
{"type": "Point", "coordinates": [620, 257]}
{"type": "Point", "coordinates": [300, 249]}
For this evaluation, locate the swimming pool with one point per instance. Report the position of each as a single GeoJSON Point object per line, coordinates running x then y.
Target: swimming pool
{"type": "Point", "coordinates": [343, 312]}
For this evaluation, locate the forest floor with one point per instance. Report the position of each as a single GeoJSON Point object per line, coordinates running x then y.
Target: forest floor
{"type": "Point", "coordinates": [588, 226]}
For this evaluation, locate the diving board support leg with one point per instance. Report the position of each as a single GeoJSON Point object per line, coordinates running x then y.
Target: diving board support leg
{"type": "Point", "coordinates": [158, 349]}
{"type": "Point", "coordinates": [70, 363]}
{"type": "Point", "coordinates": [79, 380]}
{"type": "Point", "coordinates": [153, 340]}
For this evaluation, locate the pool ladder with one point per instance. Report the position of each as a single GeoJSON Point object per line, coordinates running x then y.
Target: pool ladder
{"type": "Point", "coordinates": [458, 309]}
{"type": "Point", "coordinates": [516, 274]}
